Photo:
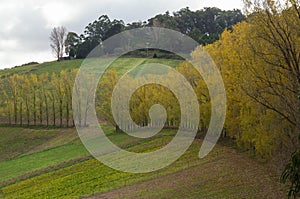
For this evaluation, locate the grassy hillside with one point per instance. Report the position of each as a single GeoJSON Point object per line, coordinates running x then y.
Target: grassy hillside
{"type": "Point", "coordinates": [16, 141]}
{"type": "Point", "coordinates": [43, 148]}
{"type": "Point", "coordinates": [49, 67]}
{"type": "Point", "coordinates": [64, 169]}
{"type": "Point", "coordinates": [226, 174]}
{"type": "Point", "coordinates": [121, 65]}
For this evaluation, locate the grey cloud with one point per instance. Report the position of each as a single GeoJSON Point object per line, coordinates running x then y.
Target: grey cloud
{"type": "Point", "coordinates": [31, 31]}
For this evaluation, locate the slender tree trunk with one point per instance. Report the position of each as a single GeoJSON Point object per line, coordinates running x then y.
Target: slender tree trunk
{"type": "Point", "coordinates": [47, 111]}
{"type": "Point", "coordinates": [68, 114]}
{"type": "Point", "coordinates": [27, 111]}
{"type": "Point", "coordinates": [41, 113]}
{"type": "Point", "coordinates": [61, 112]}
{"type": "Point", "coordinates": [53, 111]}
{"type": "Point", "coordinates": [34, 109]}
{"type": "Point", "coordinates": [21, 113]}
{"type": "Point", "coordinates": [15, 111]}
{"type": "Point", "coordinates": [9, 118]}
{"type": "Point", "coordinates": [9, 114]}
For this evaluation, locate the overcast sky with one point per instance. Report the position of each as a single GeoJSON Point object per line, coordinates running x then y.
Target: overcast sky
{"type": "Point", "coordinates": [26, 24]}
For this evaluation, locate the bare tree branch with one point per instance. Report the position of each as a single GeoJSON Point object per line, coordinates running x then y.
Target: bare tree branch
{"type": "Point", "coordinates": [57, 39]}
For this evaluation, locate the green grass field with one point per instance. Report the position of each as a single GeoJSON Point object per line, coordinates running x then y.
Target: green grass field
{"type": "Point", "coordinates": [44, 148]}
{"type": "Point", "coordinates": [65, 170]}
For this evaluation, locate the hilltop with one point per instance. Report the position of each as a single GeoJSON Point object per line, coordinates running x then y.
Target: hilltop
{"type": "Point", "coordinates": [121, 64]}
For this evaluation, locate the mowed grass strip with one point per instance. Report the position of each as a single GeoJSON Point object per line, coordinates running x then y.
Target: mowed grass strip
{"type": "Point", "coordinates": [44, 170]}
{"type": "Point", "coordinates": [16, 141]}
{"type": "Point", "coordinates": [28, 163]}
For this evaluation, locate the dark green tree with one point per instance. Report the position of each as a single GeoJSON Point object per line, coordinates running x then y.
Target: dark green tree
{"type": "Point", "coordinates": [71, 44]}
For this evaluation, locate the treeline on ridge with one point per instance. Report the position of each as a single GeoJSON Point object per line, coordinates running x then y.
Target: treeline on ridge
{"type": "Point", "coordinates": [204, 26]}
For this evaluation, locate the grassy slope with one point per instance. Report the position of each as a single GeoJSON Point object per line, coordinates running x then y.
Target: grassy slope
{"type": "Point", "coordinates": [47, 148]}
{"type": "Point", "coordinates": [121, 65]}
{"type": "Point", "coordinates": [39, 160]}
{"type": "Point", "coordinates": [24, 150]}
{"type": "Point", "coordinates": [224, 173]}
{"type": "Point", "coordinates": [228, 175]}
{"type": "Point", "coordinates": [49, 67]}
{"type": "Point", "coordinates": [17, 141]}
{"type": "Point", "coordinates": [19, 70]}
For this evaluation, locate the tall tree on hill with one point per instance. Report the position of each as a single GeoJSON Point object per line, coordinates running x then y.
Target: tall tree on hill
{"type": "Point", "coordinates": [43, 79]}
{"type": "Point", "coordinates": [34, 94]}
{"type": "Point", "coordinates": [96, 32]}
{"type": "Point", "coordinates": [21, 97]}
{"type": "Point", "coordinates": [71, 44]}
{"type": "Point", "coordinates": [53, 98]}
{"type": "Point", "coordinates": [13, 92]}
{"type": "Point", "coordinates": [185, 19]}
{"type": "Point", "coordinates": [27, 99]}
{"type": "Point", "coordinates": [104, 94]}
{"type": "Point", "coordinates": [8, 108]}
{"type": "Point", "coordinates": [57, 39]}
{"type": "Point", "coordinates": [67, 77]}
{"type": "Point", "coordinates": [58, 84]}
{"type": "Point", "coordinates": [7, 100]}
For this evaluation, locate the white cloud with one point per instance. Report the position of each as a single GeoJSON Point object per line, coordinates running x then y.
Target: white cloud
{"type": "Point", "coordinates": [57, 13]}
{"type": "Point", "coordinates": [17, 58]}
{"type": "Point", "coordinates": [7, 45]}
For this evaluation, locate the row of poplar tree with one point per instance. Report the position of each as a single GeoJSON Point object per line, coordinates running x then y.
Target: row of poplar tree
{"type": "Point", "coordinates": [44, 99]}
